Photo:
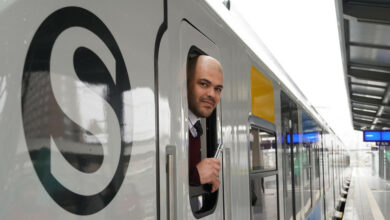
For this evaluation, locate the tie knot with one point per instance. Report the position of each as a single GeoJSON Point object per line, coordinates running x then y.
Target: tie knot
{"type": "Point", "coordinates": [198, 128]}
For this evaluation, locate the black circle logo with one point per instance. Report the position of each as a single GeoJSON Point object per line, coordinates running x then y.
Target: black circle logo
{"type": "Point", "coordinates": [58, 127]}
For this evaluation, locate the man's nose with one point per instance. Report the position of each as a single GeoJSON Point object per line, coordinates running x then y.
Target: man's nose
{"type": "Point", "coordinates": [211, 92]}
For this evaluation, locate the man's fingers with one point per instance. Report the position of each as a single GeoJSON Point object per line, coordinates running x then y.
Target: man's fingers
{"type": "Point", "coordinates": [215, 185]}
{"type": "Point", "coordinates": [215, 163]}
{"type": "Point", "coordinates": [208, 170]}
{"type": "Point", "coordinates": [218, 167]}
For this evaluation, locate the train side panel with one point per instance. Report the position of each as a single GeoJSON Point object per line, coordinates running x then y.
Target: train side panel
{"type": "Point", "coordinates": [93, 118]}
{"type": "Point", "coordinates": [77, 109]}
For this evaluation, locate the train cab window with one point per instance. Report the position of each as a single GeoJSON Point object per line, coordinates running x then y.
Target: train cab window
{"type": "Point", "coordinates": [262, 150]}
{"type": "Point", "coordinates": [202, 201]}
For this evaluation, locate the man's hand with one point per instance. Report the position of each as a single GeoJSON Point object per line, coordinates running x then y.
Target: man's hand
{"type": "Point", "coordinates": [208, 170]}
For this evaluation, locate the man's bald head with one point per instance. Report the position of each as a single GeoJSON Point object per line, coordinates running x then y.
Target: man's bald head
{"type": "Point", "coordinates": [202, 60]}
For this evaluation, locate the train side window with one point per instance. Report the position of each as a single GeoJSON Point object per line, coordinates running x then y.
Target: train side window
{"type": "Point", "coordinates": [291, 162]}
{"type": "Point", "coordinates": [263, 174]}
{"type": "Point", "coordinates": [202, 201]}
{"type": "Point", "coordinates": [262, 150]}
{"type": "Point", "coordinates": [264, 196]}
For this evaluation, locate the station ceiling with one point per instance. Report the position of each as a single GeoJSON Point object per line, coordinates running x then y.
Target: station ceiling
{"type": "Point", "coordinates": [367, 54]}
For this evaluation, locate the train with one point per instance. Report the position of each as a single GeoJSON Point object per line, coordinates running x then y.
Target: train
{"type": "Point", "coordinates": [93, 117]}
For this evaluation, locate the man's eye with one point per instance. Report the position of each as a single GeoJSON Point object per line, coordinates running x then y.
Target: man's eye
{"type": "Point", "coordinates": [203, 84]}
{"type": "Point", "coordinates": [218, 89]}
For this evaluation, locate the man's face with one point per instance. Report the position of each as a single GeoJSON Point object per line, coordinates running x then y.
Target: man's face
{"type": "Point", "coordinates": [205, 86]}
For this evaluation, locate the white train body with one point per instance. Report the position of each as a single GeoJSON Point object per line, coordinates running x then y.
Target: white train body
{"type": "Point", "coordinates": [93, 115]}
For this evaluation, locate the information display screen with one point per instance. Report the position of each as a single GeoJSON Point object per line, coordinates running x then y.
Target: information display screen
{"type": "Point", "coordinates": [385, 135]}
{"type": "Point", "coordinates": [369, 136]}
{"type": "Point", "coordinates": [310, 137]}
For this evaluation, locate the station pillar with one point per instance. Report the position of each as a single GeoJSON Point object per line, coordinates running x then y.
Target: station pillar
{"type": "Point", "coordinates": [381, 160]}
{"type": "Point", "coordinates": [387, 162]}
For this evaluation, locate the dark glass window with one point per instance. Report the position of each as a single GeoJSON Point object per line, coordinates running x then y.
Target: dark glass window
{"type": "Point", "coordinates": [263, 176]}
{"type": "Point", "coordinates": [292, 160]}
{"type": "Point", "coordinates": [316, 176]}
{"type": "Point", "coordinates": [310, 162]}
{"type": "Point", "coordinates": [262, 150]}
{"type": "Point", "coordinates": [264, 196]}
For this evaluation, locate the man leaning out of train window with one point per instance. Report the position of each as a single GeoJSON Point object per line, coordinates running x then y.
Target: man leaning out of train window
{"type": "Point", "coordinates": [204, 88]}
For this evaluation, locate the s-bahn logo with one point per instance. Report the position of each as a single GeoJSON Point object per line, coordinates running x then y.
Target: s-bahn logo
{"type": "Point", "coordinates": [74, 106]}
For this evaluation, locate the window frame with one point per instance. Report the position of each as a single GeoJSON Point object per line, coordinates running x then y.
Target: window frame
{"type": "Point", "coordinates": [270, 132]}
{"type": "Point", "coordinates": [208, 143]}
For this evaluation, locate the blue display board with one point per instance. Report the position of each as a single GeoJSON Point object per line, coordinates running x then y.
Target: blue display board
{"type": "Point", "coordinates": [310, 137]}
{"type": "Point", "coordinates": [374, 136]}
{"type": "Point", "coordinates": [385, 135]}
{"type": "Point", "coordinates": [296, 138]}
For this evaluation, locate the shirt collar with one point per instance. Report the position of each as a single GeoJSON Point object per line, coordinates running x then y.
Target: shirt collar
{"type": "Point", "coordinates": [192, 119]}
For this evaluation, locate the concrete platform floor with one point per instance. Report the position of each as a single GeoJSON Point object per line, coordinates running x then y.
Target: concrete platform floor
{"type": "Point", "coordinates": [369, 195]}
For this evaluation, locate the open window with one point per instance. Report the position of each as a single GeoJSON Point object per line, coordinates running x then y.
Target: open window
{"type": "Point", "coordinates": [202, 201]}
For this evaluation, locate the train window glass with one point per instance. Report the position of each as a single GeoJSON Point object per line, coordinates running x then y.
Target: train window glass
{"type": "Point", "coordinates": [310, 140]}
{"type": "Point", "coordinates": [286, 162]}
{"type": "Point", "coordinates": [264, 196]}
{"type": "Point", "coordinates": [262, 150]}
{"type": "Point", "coordinates": [263, 174]}
{"type": "Point", "coordinates": [297, 161]}
{"type": "Point", "coordinates": [316, 173]}
{"type": "Point", "coordinates": [329, 171]}
{"type": "Point", "coordinates": [337, 172]}
{"type": "Point", "coordinates": [202, 201]}
{"type": "Point", "coordinates": [307, 193]}
{"type": "Point", "coordinates": [332, 174]}
{"type": "Point", "coordinates": [291, 158]}
{"type": "Point", "coordinates": [326, 168]}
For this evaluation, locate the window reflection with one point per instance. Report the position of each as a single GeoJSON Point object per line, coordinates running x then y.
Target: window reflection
{"type": "Point", "coordinates": [263, 174]}
{"type": "Point", "coordinates": [262, 150]}
{"type": "Point", "coordinates": [311, 162]}
{"type": "Point", "coordinates": [291, 164]}
{"type": "Point", "coordinates": [43, 118]}
{"type": "Point", "coordinates": [3, 92]}
{"type": "Point", "coordinates": [264, 197]}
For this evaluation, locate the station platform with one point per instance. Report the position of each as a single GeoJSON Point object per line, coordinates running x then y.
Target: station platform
{"type": "Point", "coordinates": [369, 194]}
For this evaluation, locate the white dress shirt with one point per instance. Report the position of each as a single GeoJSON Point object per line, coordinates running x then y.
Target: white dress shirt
{"type": "Point", "coordinates": [192, 119]}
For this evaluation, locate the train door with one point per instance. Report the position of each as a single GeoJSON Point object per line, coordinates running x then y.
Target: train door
{"type": "Point", "coordinates": [262, 152]}
{"type": "Point", "coordinates": [311, 168]}
{"type": "Point", "coordinates": [186, 201]}
{"type": "Point", "coordinates": [78, 124]}
{"type": "Point", "coordinates": [291, 183]}
{"type": "Point", "coordinates": [324, 173]}
{"type": "Point", "coordinates": [328, 175]}
{"type": "Point", "coordinates": [263, 173]}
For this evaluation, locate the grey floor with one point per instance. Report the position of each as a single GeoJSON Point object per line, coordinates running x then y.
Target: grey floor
{"type": "Point", "coordinates": [369, 195]}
